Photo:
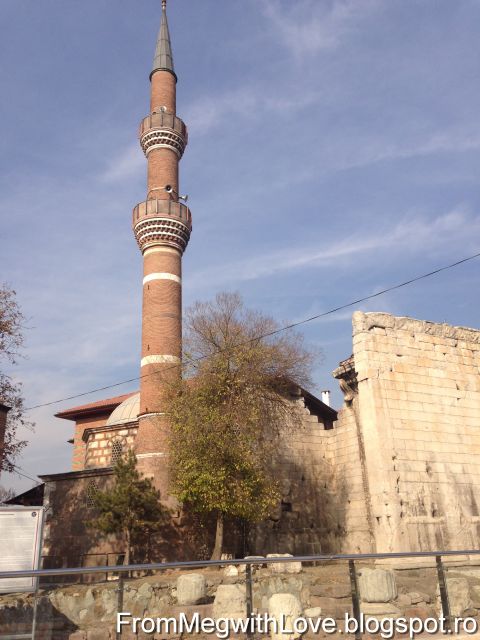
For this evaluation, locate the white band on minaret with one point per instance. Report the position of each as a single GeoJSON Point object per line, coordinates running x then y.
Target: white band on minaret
{"type": "Point", "coordinates": [161, 250]}
{"type": "Point", "coordinates": [160, 359]}
{"type": "Point", "coordinates": [161, 276]}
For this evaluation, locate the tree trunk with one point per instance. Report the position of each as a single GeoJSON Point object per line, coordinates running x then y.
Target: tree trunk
{"type": "Point", "coordinates": [217, 549]}
{"type": "Point", "coordinates": [128, 547]}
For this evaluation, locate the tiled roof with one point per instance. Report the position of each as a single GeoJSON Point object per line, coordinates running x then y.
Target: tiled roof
{"type": "Point", "coordinates": [94, 407]}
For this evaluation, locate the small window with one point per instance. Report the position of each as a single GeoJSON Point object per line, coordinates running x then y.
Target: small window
{"type": "Point", "coordinates": [92, 490]}
{"type": "Point", "coordinates": [117, 451]}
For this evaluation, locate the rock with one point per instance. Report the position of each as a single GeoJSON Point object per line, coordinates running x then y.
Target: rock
{"type": "Point", "coordinates": [418, 596]}
{"type": "Point", "coordinates": [78, 635]}
{"type": "Point", "coordinates": [285, 608]}
{"type": "Point", "coordinates": [377, 585]}
{"type": "Point", "coordinates": [230, 602]}
{"type": "Point", "coordinates": [283, 567]}
{"type": "Point", "coordinates": [313, 612]}
{"type": "Point", "coordinates": [380, 610]}
{"type": "Point", "coordinates": [331, 590]}
{"type": "Point", "coordinates": [475, 596]}
{"type": "Point", "coordinates": [333, 607]}
{"type": "Point", "coordinates": [419, 612]}
{"type": "Point", "coordinates": [403, 600]}
{"type": "Point", "coordinates": [191, 589]}
{"type": "Point", "coordinates": [230, 571]}
{"type": "Point", "coordinates": [470, 613]}
{"type": "Point", "coordinates": [458, 596]}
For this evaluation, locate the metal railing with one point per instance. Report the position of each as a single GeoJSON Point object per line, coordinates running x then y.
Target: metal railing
{"type": "Point", "coordinates": [313, 560]}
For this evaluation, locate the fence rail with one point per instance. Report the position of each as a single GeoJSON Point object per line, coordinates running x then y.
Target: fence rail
{"type": "Point", "coordinates": [192, 564]}
{"type": "Point", "coordinates": [353, 563]}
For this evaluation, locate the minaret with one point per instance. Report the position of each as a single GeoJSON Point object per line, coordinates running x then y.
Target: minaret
{"type": "Point", "coordinates": [162, 227]}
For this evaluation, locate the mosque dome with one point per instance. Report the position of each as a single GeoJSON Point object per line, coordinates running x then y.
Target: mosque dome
{"type": "Point", "coordinates": [127, 411]}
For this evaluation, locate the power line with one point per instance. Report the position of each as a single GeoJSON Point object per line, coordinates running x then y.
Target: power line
{"type": "Point", "coordinates": [272, 333]}
{"type": "Point", "coordinates": [24, 475]}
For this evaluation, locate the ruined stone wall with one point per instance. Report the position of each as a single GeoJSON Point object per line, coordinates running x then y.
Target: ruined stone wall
{"type": "Point", "coordinates": [305, 520]}
{"type": "Point", "coordinates": [418, 405]}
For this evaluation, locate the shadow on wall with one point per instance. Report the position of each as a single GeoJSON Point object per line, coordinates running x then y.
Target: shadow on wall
{"type": "Point", "coordinates": [310, 518]}
{"type": "Point", "coordinates": [71, 542]}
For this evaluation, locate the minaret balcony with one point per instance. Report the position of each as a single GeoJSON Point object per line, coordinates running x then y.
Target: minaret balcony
{"type": "Point", "coordinates": [163, 130]}
{"type": "Point", "coordinates": [162, 222]}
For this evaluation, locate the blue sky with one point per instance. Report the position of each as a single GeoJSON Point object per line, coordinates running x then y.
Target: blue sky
{"type": "Point", "coordinates": [334, 150]}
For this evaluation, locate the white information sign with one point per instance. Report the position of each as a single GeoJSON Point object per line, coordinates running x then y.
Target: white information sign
{"type": "Point", "coordinates": [20, 545]}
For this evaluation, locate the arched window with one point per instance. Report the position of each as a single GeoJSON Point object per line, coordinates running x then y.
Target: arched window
{"type": "Point", "coordinates": [91, 492]}
{"type": "Point", "coordinates": [118, 449]}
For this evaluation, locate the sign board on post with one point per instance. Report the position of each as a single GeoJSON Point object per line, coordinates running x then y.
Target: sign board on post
{"type": "Point", "coordinates": [20, 545]}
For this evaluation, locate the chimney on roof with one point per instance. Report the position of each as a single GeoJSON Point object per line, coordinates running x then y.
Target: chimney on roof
{"type": "Point", "coordinates": [3, 428]}
{"type": "Point", "coordinates": [326, 397]}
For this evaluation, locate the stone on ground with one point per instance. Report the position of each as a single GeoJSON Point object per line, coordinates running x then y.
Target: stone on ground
{"type": "Point", "coordinates": [377, 585]}
{"type": "Point", "coordinates": [230, 602]}
{"type": "Point", "coordinates": [191, 588]}
{"type": "Point", "coordinates": [285, 608]}
{"type": "Point", "coordinates": [283, 567]}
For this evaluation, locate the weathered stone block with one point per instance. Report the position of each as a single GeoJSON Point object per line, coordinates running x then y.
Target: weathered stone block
{"type": "Point", "coordinates": [191, 589]}
{"type": "Point", "coordinates": [283, 567]}
{"type": "Point", "coordinates": [230, 602]}
{"type": "Point", "coordinates": [458, 596]}
{"type": "Point", "coordinates": [377, 585]}
{"type": "Point", "coordinates": [285, 608]}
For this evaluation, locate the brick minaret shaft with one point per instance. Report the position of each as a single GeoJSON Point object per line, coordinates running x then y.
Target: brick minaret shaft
{"type": "Point", "coordinates": [162, 227]}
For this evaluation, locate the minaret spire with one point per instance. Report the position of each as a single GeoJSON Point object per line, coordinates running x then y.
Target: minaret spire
{"type": "Point", "coordinates": [163, 60]}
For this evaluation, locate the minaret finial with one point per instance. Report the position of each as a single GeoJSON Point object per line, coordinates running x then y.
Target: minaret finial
{"type": "Point", "coordinates": [163, 60]}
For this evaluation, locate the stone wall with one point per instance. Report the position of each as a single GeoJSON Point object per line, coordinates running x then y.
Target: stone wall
{"type": "Point", "coordinates": [99, 452]}
{"type": "Point", "coordinates": [68, 541]}
{"type": "Point", "coordinates": [413, 388]}
{"type": "Point", "coordinates": [305, 521]}
{"type": "Point", "coordinates": [88, 612]}
{"type": "Point", "coordinates": [79, 444]}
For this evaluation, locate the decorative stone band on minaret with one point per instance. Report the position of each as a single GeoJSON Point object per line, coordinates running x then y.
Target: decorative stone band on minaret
{"type": "Point", "coordinates": [162, 221]}
{"type": "Point", "coordinates": [162, 227]}
{"type": "Point", "coordinates": [163, 130]}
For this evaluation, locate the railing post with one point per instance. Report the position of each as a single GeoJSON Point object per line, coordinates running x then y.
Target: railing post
{"type": "Point", "coordinates": [249, 597]}
{"type": "Point", "coordinates": [442, 583]}
{"type": "Point", "coordinates": [355, 597]}
{"type": "Point", "coordinates": [118, 634]}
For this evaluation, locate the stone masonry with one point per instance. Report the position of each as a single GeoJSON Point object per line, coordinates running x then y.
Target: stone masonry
{"type": "Point", "coordinates": [412, 409]}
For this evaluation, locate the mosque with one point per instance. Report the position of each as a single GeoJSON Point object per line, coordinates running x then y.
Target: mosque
{"type": "Point", "coordinates": [396, 469]}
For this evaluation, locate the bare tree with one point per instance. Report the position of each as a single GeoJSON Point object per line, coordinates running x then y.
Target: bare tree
{"type": "Point", "coordinates": [237, 392]}
{"type": "Point", "coordinates": [6, 494]}
{"type": "Point", "coordinates": [11, 341]}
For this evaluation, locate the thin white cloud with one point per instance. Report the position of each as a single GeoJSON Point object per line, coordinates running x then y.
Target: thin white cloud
{"type": "Point", "coordinates": [248, 103]}
{"type": "Point", "coordinates": [414, 233]}
{"type": "Point", "coordinates": [309, 26]}
{"type": "Point", "coordinates": [126, 164]}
